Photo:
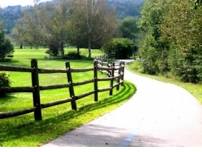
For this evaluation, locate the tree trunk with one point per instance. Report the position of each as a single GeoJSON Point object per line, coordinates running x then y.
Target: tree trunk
{"type": "Point", "coordinates": [62, 49]}
{"type": "Point", "coordinates": [78, 50]}
{"type": "Point", "coordinates": [89, 25]}
{"type": "Point", "coordinates": [21, 46]}
{"type": "Point", "coordinates": [89, 48]}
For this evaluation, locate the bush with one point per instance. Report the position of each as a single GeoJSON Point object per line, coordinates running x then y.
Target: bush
{"type": "Point", "coordinates": [5, 46]}
{"type": "Point", "coordinates": [72, 56]}
{"type": "Point", "coordinates": [4, 82]}
{"type": "Point", "coordinates": [187, 66]}
{"type": "Point", "coordinates": [119, 48]}
{"type": "Point", "coordinates": [53, 49]}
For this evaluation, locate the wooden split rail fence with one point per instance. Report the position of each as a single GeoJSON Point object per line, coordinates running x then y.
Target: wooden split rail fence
{"type": "Point", "coordinates": [36, 88]}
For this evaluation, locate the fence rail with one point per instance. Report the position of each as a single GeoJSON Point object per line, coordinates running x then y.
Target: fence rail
{"type": "Point", "coordinates": [36, 88]}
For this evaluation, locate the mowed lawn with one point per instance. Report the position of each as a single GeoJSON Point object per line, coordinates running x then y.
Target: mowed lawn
{"type": "Point", "coordinates": [23, 130]}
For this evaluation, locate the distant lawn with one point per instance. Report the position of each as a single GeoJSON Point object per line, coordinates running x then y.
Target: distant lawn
{"type": "Point", "coordinates": [23, 130]}
{"type": "Point", "coordinates": [41, 53]}
{"type": "Point", "coordinates": [84, 52]}
{"type": "Point", "coordinates": [194, 89]}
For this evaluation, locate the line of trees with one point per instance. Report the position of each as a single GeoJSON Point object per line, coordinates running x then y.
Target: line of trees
{"type": "Point", "coordinates": [172, 38]}
{"type": "Point", "coordinates": [123, 8]}
{"type": "Point", "coordinates": [80, 23]}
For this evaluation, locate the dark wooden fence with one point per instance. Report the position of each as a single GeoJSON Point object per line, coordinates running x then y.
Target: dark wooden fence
{"type": "Point", "coordinates": [114, 72]}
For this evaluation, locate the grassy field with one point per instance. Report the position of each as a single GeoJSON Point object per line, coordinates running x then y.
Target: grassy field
{"type": "Point", "coordinates": [194, 89]}
{"type": "Point", "coordinates": [23, 130]}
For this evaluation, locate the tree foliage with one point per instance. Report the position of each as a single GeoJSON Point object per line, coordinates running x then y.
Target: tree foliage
{"type": "Point", "coordinates": [81, 23]}
{"type": "Point", "coordinates": [129, 28]}
{"type": "Point", "coordinates": [5, 45]}
{"type": "Point", "coordinates": [4, 82]}
{"type": "Point", "coordinates": [154, 49]}
{"type": "Point", "coordinates": [119, 48]}
{"type": "Point", "coordinates": [9, 16]}
{"type": "Point", "coordinates": [126, 8]}
{"type": "Point", "coordinates": [44, 25]}
{"type": "Point", "coordinates": [184, 32]}
{"type": "Point", "coordinates": [172, 38]}
{"type": "Point", "coordinates": [92, 23]}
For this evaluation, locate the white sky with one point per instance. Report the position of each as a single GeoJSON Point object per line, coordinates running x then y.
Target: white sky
{"type": "Point", "coordinates": [4, 3]}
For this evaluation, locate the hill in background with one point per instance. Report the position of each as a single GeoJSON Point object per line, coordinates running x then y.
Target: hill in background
{"type": "Point", "coordinates": [126, 7]}
{"type": "Point", "coordinates": [11, 14]}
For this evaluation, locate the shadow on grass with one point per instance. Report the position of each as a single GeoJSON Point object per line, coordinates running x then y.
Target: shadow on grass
{"type": "Point", "coordinates": [51, 128]}
{"type": "Point", "coordinates": [6, 60]}
{"type": "Point", "coordinates": [82, 60]}
{"type": "Point", "coordinates": [7, 99]}
{"type": "Point", "coordinates": [12, 62]}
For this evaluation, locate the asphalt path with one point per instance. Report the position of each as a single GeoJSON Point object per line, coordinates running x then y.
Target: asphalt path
{"type": "Point", "coordinates": [158, 115]}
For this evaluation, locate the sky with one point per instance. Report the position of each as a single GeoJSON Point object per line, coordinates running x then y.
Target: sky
{"type": "Point", "coordinates": [5, 3]}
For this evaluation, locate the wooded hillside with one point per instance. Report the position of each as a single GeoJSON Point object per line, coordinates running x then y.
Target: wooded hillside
{"type": "Point", "coordinates": [11, 14]}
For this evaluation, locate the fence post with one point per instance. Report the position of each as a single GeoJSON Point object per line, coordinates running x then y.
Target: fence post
{"type": "Point", "coordinates": [95, 81]}
{"type": "Point", "coordinates": [112, 81]}
{"type": "Point", "coordinates": [36, 91]}
{"type": "Point", "coordinates": [119, 74]}
{"type": "Point", "coordinates": [108, 71]}
{"type": "Point", "coordinates": [71, 87]}
{"type": "Point", "coordinates": [123, 72]}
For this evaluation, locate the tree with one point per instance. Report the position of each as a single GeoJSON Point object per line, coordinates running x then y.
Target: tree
{"type": "Point", "coordinates": [18, 35]}
{"type": "Point", "coordinates": [96, 25]}
{"type": "Point", "coordinates": [184, 33]}
{"type": "Point", "coordinates": [56, 26]}
{"type": "Point", "coordinates": [172, 42]}
{"type": "Point", "coordinates": [83, 23]}
{"type": "Point", "coordinates": [45, 25]}
{"type": "Point", "coordinates": [129, 28]}
{"type": "Point", "coordinates": [153, 48]}
{"type": "Point", "coordinates": [119, 48]}
{"type": "Point", "coordinates": [28, 30]}
{"type": "Point", "coordinates": [9, 16]}
{"type": "Point", "coordinates": [5, 45]}
{"type": "Point", "coordinates": [126, 8]}
{"type": "Point", "coordinates": [77, 26]}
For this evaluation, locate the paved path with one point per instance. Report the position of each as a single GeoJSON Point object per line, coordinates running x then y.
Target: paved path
{"type": "Point", "coordinates": [159, 114]}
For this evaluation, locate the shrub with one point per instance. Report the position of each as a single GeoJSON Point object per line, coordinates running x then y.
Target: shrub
{"type": "Point", "coordinates": [4, 82]}
{"type": "Point", "coordinates": [53, 49]}
{"type": "Point", "coordinates": [186, 66]}
{"type": "Point", "coordinates": [72, 56]}
{"type": "Point", "coordinates": [119, 48]}
{"type": "Point", "coordinates": [5, 46]}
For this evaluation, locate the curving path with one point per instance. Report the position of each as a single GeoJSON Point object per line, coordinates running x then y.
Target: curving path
{"type": "Point", "coordinates": [159, 114]}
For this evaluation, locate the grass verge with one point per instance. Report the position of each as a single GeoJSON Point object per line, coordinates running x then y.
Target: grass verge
{"type": "Point", "coordinates": [23, 130]}
{"type": "Point", "coordinates": [194, 89]}
{"type": "Point", "coordinates": [15, 132]}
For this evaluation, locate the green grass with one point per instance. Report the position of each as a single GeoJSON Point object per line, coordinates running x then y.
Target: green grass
{"type": "Point", "coordinates": [24, 131]}
{"type": "Point", "coordinates": [84, 52]}
{"type": "Point", "coordinates": [194, 89]}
